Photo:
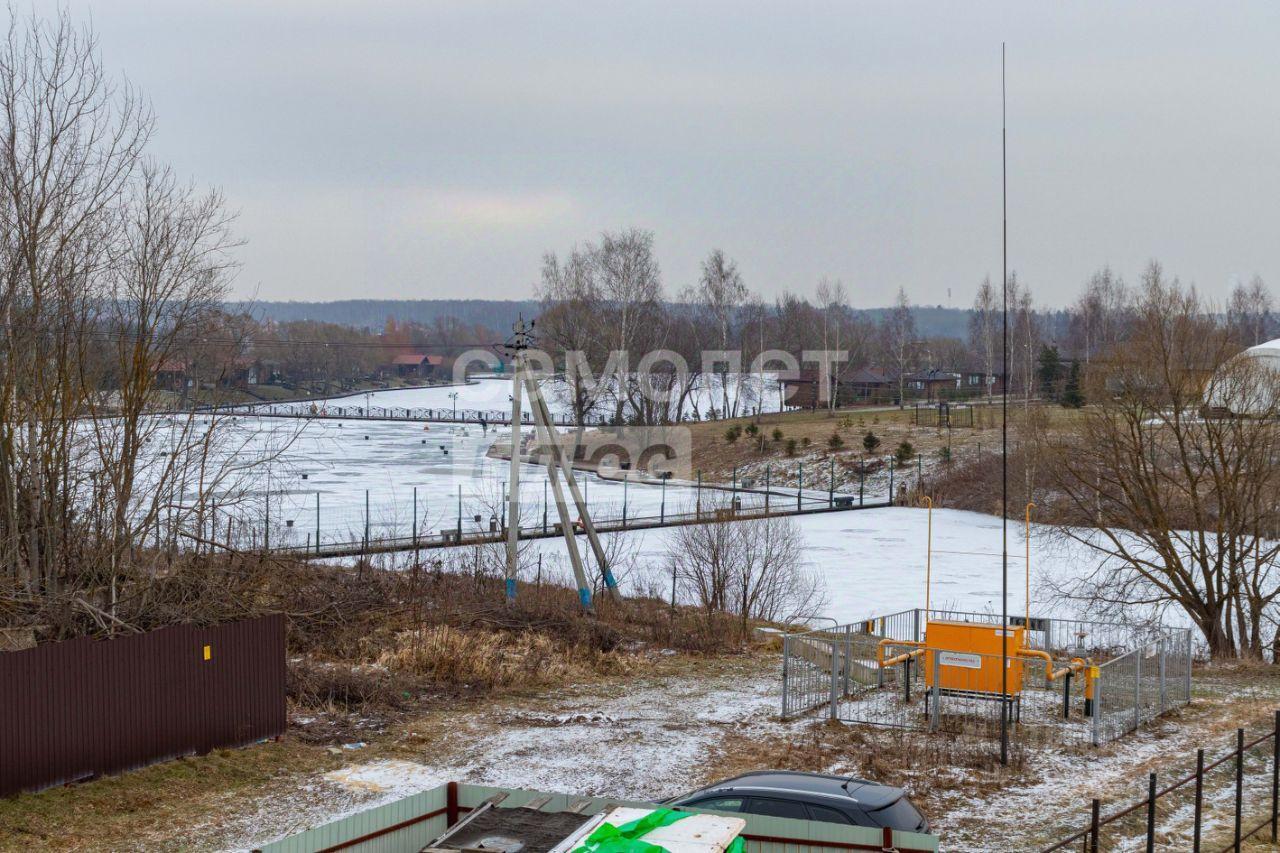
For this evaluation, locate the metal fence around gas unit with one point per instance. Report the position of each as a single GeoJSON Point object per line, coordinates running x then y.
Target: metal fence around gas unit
{"type": "Point", "coordinates": [1141, 672]}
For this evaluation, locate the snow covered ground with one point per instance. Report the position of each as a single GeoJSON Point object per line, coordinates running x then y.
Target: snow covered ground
{"type": "Point", "coordinates": [478, 395]}
{"type": "Point", "coordinates": [647, 742]}
{"type": "Point", "coordinates": [872, 561]}
{"type": "Point", "coordinates": [664, 735]}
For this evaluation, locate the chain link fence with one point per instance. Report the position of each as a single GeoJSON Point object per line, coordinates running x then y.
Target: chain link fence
{"type": "Point", "coordinates": [1124, 676]}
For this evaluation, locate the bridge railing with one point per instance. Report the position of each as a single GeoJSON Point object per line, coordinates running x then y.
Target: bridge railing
{"type": "Point", "coordinates": [307, 523]}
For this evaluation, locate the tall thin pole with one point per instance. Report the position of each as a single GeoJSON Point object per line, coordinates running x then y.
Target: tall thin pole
{"type": "Point", "coordinates": [513, 496]}
{"type": "Point", "coordinates": [1027, 618]}
{"type": "Point", "coordinates": [1004, 423]}
{"type": "Point", "coordinates": [928, 556]}
{"type": "Point", "coordinates": [662, 512]}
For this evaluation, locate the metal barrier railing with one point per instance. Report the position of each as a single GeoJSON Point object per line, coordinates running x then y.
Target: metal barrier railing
{"type": "Point", "coordinates": [1218, 806]}
{"type": "Point", "coordinates": [952, 690]}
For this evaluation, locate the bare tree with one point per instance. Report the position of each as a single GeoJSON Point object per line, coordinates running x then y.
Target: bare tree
{"type": "Point", "coordinates": [111, 268]}
{"type": "Point", "coordinates": [1097, 319]}
{"type": "Point", "coordinates": [752, 568]}
{"type": "Point", "coordinates": [572, 309]}
{"type": "Point", "coordinates": [984, 332]}
{"type": "Point", "coordinates": [898, 334]}
{"type": "Point", "coordinates": [631, 289]}
{"type": "Point", "coordinates": [834, 302]}
{"type": "Point", "coordinates": [1181, 508]}
{"type": "Point", "coordinates": [1024, 338]}
{"type": "Point", "coordinates": [1249, 312]}
{"type": "Point", "coordinates": [720, 294]}
{"type": "Point", "coordinates": [72, 143]}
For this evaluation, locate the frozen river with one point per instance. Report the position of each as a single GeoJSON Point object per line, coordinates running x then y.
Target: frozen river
{"type": "Point", "coordinates": [491, 397]}
{"type": "Point", "coordinates": [338, 478]}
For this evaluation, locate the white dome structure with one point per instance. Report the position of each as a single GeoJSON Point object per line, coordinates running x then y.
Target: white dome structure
{"type": "Point", "coordinates": [1249, 383]}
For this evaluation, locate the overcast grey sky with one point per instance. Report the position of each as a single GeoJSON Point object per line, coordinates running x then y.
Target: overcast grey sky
{"type": "Point", "coordinates": [436, 150]}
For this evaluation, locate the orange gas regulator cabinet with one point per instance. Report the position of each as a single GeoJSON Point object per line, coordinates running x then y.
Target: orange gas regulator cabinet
{"type": "Point", "coordinates": [965, 657]}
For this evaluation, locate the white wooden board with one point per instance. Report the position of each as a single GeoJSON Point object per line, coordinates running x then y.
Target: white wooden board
{"type": "Point", "coordinates": [699, 833]}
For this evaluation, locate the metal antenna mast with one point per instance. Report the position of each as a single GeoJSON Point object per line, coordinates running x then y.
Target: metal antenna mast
{"type": "Point", "coordinates": [1004, 427]}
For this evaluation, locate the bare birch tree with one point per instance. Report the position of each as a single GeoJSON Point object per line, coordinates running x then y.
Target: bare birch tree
{"type": "Point", "coordinates": [834, 302]}
{"type": "Point", "coordinates": [631, 289]}
{"type": "Point", "coordinates": [898, 333]}
{"type": "Point", "coordinates": [984, 332]}
{"type": "Point", "coordinates": [1097, 320]}
{"type": "Point", "coordinates": [720, 294]}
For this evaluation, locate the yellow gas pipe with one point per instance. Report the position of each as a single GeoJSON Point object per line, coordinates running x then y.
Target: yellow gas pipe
{"type": "Point", "coordinates": [928, 556]}
{"type": "Point", "coordinates": [1027, 624]}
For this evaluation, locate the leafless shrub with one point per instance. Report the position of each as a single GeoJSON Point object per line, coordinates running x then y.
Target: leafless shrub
{"type": "Point", "coordinates": [753, 569]}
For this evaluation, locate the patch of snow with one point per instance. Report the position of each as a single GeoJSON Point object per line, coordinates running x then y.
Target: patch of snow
{"type": "Point", "coordinates": [391, 776]}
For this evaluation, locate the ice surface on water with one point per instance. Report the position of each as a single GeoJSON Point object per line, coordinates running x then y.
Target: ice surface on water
{"type": "Point", "coordinates": [345, 459]}
{"type": "Point", "coordinates": [494, 395]}
{"type": "Point", "coordinates": [873, 561]}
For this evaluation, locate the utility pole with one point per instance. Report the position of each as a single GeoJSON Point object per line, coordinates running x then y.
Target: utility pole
{"type": "Point", "coordinates": [565, 466]}
{"type": "Point", "coordinates": [516, 346]}
{"type": "Point", "coordinates": [544, 429]}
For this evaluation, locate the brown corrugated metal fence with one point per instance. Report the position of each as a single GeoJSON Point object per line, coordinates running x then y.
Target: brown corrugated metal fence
{"type": "Point", "coordinates": [82, 708]}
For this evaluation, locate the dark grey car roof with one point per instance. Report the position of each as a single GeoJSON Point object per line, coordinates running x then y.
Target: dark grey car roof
{"type": "Point", "coordinates": [869, 795]}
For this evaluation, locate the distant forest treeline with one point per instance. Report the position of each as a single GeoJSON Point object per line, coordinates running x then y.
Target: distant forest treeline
{"type": "Point", "coordinates": [372, 314]}
{"type": "Point", "coordinates": [499, 314]}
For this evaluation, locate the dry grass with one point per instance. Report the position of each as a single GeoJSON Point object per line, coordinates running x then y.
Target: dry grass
{"type": "Point", "coordinates": [926, 766]}
{"type": "Point", "coordinates": [129, 811]}
{"type": "Point", "coordinates": [716, 457]}
{"type": "Point", "coordinates": [403, 642]}
{"type": "Point", "coordinates": [490, 659]}
{"type": "Point", "coordinates": [205, 802]}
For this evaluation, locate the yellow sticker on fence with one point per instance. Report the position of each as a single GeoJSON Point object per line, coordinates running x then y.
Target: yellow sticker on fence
{"type": "Point", "coordinates": [1094, 672]}
{"type": "Point", "coordinates": [208, 652]}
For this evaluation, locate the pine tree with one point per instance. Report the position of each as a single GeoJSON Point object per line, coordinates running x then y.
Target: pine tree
{"type": "Point", "coordinates": [1050, 371]}
{"type": "Point", "coordinates": [1072, 397]}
